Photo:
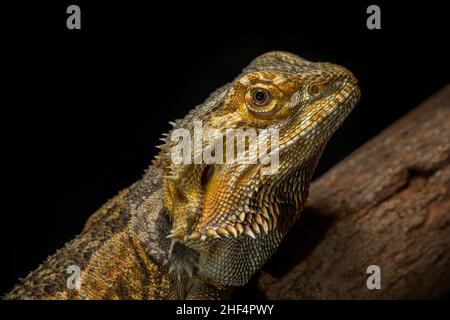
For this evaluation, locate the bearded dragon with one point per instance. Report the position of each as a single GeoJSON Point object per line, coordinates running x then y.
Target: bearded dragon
{"type": "Point", "coordinates": [197, 230]}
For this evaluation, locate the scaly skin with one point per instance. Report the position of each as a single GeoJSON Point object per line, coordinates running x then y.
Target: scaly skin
{"type": "Point", "coordinates": [195, 231]}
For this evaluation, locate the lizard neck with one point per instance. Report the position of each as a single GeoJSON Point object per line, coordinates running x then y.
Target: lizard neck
{"type": "Point", "coordinates": [233, 261]}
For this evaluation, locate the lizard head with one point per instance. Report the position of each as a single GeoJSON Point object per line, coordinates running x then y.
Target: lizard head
{"type": "Point", "coordinates": [238, 167]}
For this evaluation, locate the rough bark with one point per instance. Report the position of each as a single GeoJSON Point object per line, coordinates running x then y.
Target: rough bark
{"type": "Point", "coordinates": [387, 204]}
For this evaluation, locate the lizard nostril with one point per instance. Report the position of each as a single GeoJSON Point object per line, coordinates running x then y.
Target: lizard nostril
{"type": "Point", "coordinates": [314, 89]}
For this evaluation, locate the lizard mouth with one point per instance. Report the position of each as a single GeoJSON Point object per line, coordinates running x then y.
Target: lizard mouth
{"type": "Point", "coordinates": [236, 223]}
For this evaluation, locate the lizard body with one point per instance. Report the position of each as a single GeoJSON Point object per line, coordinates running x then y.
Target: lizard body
{"type": "Point", "coordinates": [196, 230]}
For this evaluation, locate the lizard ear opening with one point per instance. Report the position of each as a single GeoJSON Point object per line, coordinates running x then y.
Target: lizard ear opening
{"type": "Point", "coordinates": [208, 172]}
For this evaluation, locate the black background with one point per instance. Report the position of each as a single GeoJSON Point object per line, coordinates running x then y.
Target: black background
{"type": "Point", "coordinates": [83, 109]}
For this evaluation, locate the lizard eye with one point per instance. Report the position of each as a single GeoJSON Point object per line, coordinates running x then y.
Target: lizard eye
{"type": "Point", "coordinates": [260, 97]}
{"type": "Point", "coordinates": [261, 101]}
